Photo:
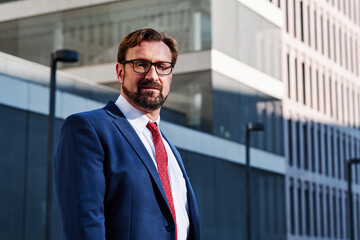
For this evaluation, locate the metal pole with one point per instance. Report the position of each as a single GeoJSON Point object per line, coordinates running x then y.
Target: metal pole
{"type": "Point", "coordinates": [51, 126]}
{"type": "Point", "coordinates": [64, 55]}
{"type": "Point", "coordinates": [247, 184]}
{"type": "Point", "coordinates": [249, 127]}
{"type": "Point", "coordinates": [351, 215]}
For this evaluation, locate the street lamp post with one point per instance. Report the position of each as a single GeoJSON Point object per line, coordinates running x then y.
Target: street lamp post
{"type": "Point", "coordinates": [249, 127]}
{"type": "Point", "coordinates": [57, 56]}
{"type": "Point", "coordinates": [351, 214]}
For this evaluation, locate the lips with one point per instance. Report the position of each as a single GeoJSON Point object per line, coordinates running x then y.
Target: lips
{"type": "Point", "coordinates": [150, 85]}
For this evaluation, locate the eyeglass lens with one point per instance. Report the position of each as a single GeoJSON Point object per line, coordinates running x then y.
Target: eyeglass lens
{"type": "Point", "coordinates": [143, 66]}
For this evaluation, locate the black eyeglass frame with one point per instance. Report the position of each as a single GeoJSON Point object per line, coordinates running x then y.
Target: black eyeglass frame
{"type": "Point", "coordinates": [151, 64]}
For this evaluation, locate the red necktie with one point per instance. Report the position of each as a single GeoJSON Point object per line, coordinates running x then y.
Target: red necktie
{"type": "Point", "coordinates": [162, 163]}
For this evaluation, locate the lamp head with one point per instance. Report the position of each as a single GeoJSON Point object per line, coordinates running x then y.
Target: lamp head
{"type": "Point", "coordinates": [66, 55]}
{"type": "Point", "coordinates": [253, 126]}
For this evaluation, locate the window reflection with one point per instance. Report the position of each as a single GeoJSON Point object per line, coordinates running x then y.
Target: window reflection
{"type": "Point", "coordinates": [96, 31]}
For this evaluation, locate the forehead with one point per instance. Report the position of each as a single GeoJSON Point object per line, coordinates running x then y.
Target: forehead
{"type": "Point", "coordinates": [152, 51]}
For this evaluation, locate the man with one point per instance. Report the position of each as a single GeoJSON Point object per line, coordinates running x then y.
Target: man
{"type": "Point", "coordinates": [117, 176]}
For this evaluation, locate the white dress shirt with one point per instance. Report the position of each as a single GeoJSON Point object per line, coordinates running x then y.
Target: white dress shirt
{"type": "Point", "coordinates": [138, 121]}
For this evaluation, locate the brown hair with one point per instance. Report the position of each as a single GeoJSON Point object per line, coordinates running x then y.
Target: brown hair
{"type": "Point", "coordinates": [135, 38]}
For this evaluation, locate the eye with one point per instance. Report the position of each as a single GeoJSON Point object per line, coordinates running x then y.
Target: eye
{"type": "Point", "coordinates": [163, 65]}
{"type": "Point", "coordinates": [141, 64]}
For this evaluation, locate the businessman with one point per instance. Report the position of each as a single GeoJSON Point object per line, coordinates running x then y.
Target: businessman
{"type": "Point", "coordinates": [117, 176]}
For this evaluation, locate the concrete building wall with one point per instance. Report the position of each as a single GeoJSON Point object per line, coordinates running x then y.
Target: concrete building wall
{"type": "Point", "coordinates": [321, 110]}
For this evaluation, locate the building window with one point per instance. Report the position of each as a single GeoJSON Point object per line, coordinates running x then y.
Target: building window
{"type": "Point", "coordinates": [321, 206]}
{"type": "Point", "coordinates": [307, 209]}
{"type": "Point", "coordinates": [300, 216]}
{"type": "Point", "coordinates": [342, 102]}
{"type": "Point", "coordinates": [324, 92]}
{"type": "Point", "coordinates": [351, 55]}
{"type": "Point", "coordinates": [302, 21]}
{"type": "Point", "coordinates": [326, 151]}
{"type": "Point", "coordinates": [296, 81]}
{"type": "Point", "coordinates": [336, 101]}
{"type": "Point", "coordinates": [358, 101]}
{"type": "Point", "coordinates": [319, 148]}
{"type": "Point", "coordinates": [334, 204]}
{"type": "Point", "coordinates": [338, 143]}
{"type": "Point", "coordinates": [309, 26]}
{"type": "Point", "coordinates": [348, 105]}
{"type": "Point", "coordinates": [356, 58]}
{"type": "Point", "coordinates": [341, 228]}
{"type": "Point", "coordinates": [345, 157]}
{"type": "Point", "coordinates": [306, 158]}
{"type": "Point", "coordinates": [328, 36]}
{"type": "Point", "coordinates": [290, 142]}
{"type": "Point", "coordinates": [322, 34]}
{"type": "Point", "coordinates": [292, 208]}
{"type": "Point", "coordinates": [346, 51]}
{"type": "Point", "coordinates": [340, 47]}
{"type": "Point", "coordinates": [311, 88]}
{"type": "Point", "coordinates": [334, 40]}
{"type": "Point", "coordinates": [331, 97]}
{"type": "Point", "coordinates": [315, 213]}
{"type": "Point", "coordinates": [303, 83]}
{"type": "Point", "coordinates": [356, 166]}
{"type": "Point", "coordinates": [294, 8]}
{"type": "Point", "coordinates": [333, 157]}
{"type": "Point", "coordinates": [315, 26]}
{"type": "Point", "coordinates": [287, 15]}
{"type": "Point", "coordinates": [317, 89]}
{"type": "Point", "coordinates": [347, 229]}
{"type": "Point", "coordinates": [298, 146]}
{"type": "Point", "coordinates": [288, 74]}
{"type": "Point", "coordinates": [312, 146]}
{"type": "Point", "coordinates": [357, 213]}
{"type": "Point", "coordinates": [328, 209]}
{"type": "Point", "coordinates": [353, 108]}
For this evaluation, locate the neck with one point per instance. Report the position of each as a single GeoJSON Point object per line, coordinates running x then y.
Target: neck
{"type": "Point", "coordinates": [153, 115]}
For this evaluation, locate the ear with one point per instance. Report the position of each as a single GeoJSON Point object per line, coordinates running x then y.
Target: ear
{"type": "Point", "coordinates": [120, 72]}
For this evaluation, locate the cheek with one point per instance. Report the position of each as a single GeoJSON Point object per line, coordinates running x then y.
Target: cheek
{"type": "Point", "coordinates": [167, 84]}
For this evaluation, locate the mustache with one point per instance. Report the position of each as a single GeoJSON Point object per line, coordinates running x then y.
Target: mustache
{"type": "Point", "coordinates": [150, 84]}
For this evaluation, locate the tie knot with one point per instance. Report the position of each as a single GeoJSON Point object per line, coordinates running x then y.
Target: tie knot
{"type": "Point", "coordinates": [152, 126]}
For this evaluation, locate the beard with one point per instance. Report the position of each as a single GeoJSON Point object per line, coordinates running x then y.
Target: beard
{"type": "Point", "coordinates": [148, 100]}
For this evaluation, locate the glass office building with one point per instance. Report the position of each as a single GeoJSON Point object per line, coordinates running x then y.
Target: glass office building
{"type": "Point", "coordinates": [229, 73]}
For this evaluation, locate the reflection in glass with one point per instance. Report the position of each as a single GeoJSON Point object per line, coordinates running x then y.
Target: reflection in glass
{"type": "Point", "coordinates": [97, 31]}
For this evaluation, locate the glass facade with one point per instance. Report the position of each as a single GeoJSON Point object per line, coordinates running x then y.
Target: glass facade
{"type": "Point", "coordinates": [220, 186]}
{"type": "Point", "coordinates": [97, 31]}
{"type": "Point", "coordinates": [22, 175]}
{"type": "Point", "coordinates": [246, 36]}
{"type": "Point", "coordinates": [213, 103]}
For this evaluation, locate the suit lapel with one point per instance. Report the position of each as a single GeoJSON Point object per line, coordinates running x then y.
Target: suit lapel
{"type": "Point", "coordinates": [133, 139]}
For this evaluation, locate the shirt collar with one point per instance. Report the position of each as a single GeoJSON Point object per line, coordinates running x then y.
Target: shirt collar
{"type": "Point", "coordinates": [136, 118]}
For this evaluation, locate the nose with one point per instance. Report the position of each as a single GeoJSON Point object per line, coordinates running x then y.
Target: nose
{"type": "Point", "coordinates": [152, 74]}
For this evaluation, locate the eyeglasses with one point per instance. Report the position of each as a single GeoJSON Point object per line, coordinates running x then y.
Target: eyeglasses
{"type": "Point", "coordinates": [143, 66]}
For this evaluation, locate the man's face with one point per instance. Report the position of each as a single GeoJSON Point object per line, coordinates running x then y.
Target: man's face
{"type": "Point", "coordinates": [146, 91]}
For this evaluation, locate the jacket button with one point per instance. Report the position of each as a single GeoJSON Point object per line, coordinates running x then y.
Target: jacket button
{"type": "Point", "coordinates": [170, 228]}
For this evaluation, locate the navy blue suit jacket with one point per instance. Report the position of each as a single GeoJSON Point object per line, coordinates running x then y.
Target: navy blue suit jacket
{"type": "Point", "coordinates": [107, 184]}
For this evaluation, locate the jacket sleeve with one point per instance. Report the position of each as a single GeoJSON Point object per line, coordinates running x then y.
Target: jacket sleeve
{"type": "Point", "coordinates": [80, 180]}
